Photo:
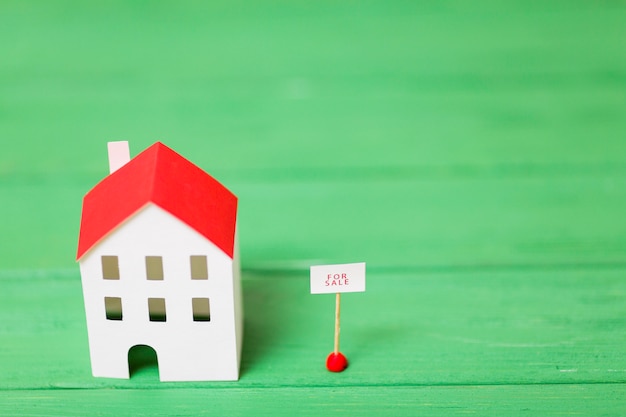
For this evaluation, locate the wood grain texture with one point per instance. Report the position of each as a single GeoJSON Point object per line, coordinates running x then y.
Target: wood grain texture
{"type": "Point", "coordinates": [472, 154]}
{"type": "Point", "coordinates": [505, 327]}
{"type": "Point", "coordinates": [580, 399]}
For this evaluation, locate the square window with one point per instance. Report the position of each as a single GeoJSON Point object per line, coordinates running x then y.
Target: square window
{"type": "Point", "coordinates": [201, 309]}
{"type": "Point", "coordinates": [154, 268]}
{"type": "Point", "coordinates": [199, 268]}
{"type": "Point", "coordinates": [156, 309]}
{"type": "Point", "coordinates": [113, 308]}
{"type": "Point", "coordinates": [110, 267]}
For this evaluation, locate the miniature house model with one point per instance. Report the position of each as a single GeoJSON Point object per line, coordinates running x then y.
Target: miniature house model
{"type": "Point", "coordinates": [159, 265]}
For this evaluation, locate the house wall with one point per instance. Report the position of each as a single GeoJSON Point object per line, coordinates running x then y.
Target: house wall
{"type": "Point", "coordinates": [238, 292]}
{"type": "Point", "coordinates": [187, 350]}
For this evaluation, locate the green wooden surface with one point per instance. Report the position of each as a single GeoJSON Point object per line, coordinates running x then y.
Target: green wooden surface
{"type": "Point", "coordinates": [472, 153]}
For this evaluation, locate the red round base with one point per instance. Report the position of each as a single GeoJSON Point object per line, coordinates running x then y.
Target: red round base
{"type": "Point", "coordinates": [336, 362]}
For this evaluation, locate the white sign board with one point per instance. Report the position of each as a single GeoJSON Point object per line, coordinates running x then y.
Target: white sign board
{"type": "Point", "coordinates": [327, 279]}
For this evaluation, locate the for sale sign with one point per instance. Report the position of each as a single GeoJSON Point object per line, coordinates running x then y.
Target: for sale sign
{"type": "Point", "coordinates": [338, 278]}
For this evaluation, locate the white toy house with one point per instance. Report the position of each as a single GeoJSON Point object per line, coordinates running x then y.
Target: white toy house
{"type": "Point", "coordinates": [159, 264]}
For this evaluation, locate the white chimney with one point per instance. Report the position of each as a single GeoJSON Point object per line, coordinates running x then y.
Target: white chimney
{"type": "Point", "coordinates": [119, 155]}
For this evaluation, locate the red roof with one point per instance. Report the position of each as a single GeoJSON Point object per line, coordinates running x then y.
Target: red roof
{"type": "Point", "coordinates": [160, 176]}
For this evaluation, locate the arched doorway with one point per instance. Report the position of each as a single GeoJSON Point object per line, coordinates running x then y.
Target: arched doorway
{"type": "Point", "coordinates": [143, 360]}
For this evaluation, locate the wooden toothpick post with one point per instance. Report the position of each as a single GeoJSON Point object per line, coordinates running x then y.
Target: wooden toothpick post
{"type": "Point", "coordinates": [337, 326]}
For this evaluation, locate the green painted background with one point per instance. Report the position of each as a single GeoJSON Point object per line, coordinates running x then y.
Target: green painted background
{"type": "Point", "coordinates": [472, 153]}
